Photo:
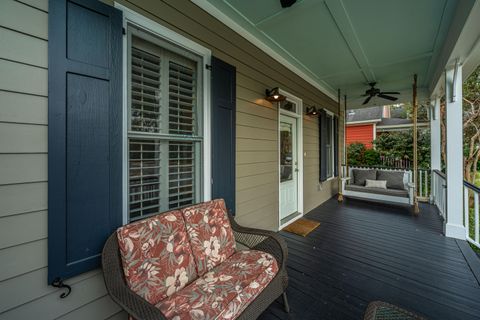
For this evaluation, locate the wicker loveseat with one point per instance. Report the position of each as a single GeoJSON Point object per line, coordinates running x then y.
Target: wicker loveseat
{"type": "Point", "coordinates": [187, 264]}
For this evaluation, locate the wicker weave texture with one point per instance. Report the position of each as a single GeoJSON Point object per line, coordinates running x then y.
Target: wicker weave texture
{"type": "Point", "coordinates": [139, 308]}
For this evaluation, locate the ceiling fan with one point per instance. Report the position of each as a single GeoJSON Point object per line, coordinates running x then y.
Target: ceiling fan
{"type": "Point", "coordinates": [372, 92]}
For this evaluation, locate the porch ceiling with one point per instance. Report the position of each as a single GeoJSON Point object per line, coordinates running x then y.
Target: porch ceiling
{"type": "Point", "coordinates": [345, 44]}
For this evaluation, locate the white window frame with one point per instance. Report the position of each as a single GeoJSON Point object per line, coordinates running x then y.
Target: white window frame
{"type": "Point", "coordinates": [332, 143]}
{"type": "Point", "coordinates": [299, 116]}
{"type": "Point", "coordinates": [131, 17]}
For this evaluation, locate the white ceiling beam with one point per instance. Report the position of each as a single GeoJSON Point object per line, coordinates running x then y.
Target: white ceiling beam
{"type": "Point", "coordinates": [341, 18]}
{"type": "Point", "coordinates": [229, 22]}
{"type": "Point", "coordinates": [420, 56]}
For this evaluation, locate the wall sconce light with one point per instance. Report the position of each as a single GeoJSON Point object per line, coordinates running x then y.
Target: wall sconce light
{"type": "Point", "coordinates": [274, 95]}
{"type": "Point", "coordinates": [311, 111]}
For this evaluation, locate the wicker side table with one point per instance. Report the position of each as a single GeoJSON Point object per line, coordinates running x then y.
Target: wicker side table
{"type": "Point", "coordinates": [379, 310]}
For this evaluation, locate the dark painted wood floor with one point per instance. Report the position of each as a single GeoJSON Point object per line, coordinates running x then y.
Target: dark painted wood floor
{"type": "Point", "coordinates": [364, 252]}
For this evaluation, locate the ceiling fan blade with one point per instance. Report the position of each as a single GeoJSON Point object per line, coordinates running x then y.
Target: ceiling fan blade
{"type": "Point", "coordinates": [389, 92]}
{"type": "Point", "coordinates": [381, 95]}
{"type": "Point", "coordinates": [366, 100]}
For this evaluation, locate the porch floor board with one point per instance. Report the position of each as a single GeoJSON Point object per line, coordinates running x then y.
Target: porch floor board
{"type": "Point", "coordinates": [365, 251]}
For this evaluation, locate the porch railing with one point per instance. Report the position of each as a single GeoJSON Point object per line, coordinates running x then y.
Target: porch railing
{"type": "Point", "coordinates": [423, 184]}
{"type": "Point", "coordinates": [439, 192]}
{"type": "Point", "coordinates": [471, 207]}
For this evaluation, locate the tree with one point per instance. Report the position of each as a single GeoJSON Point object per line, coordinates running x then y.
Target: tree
{"type": "Point", "coordinates": [422, 112]}
{"type": "Point", "coordinates": [356, 154]}
{"type": "Point", "coordinates": [399, 145]}
{"type": "Point", "coordinates": [471, 126]}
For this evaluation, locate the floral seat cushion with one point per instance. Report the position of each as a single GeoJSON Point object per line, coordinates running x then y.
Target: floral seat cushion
{"type": "Point", "coordinates": [225, 291]}
{"type": "Point", "coordinates": [210, 233]}
{"type": "Point", "coordinates": [156, 256]}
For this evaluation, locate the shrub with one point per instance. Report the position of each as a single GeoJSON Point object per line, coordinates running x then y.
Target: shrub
{"type": "Point", "coordinates": [372, 157]}
{"type": "Point", "coordinates": [356, 154]}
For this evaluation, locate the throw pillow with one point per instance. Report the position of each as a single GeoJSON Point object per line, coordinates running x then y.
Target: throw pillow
{"type": "Point", "coordinates": [382, 184]}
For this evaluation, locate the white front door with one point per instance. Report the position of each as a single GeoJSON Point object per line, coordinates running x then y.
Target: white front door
{"type": "Point", "coordinates": [288, 166]}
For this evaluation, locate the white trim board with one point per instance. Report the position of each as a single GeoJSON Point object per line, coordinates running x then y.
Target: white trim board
{"type": "Point", "coordinates": [403, 126]}
{"type": "Point", "coordinates": [229, 22]}
{"type": "Point", "coordinates": [136, 19]}
{"type": "Point", "coordinates": [351, 123]}
{"type": "Point", "coordinates": [299, 118]}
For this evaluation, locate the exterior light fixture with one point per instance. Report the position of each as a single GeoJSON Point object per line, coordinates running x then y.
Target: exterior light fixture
{"type": "Point", "coordinates": [311, 111]}
{"type": "Point", "coordinates": [274, 95]}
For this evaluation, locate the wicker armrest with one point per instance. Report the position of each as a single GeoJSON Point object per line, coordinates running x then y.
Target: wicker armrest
{"type": "Point", "coordinates": [262, 240]}
{"type": "Point", "coordinates": [131, 302]}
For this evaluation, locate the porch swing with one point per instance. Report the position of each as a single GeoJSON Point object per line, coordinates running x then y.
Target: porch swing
{"type": "Point", "coordinates": [382, 185]}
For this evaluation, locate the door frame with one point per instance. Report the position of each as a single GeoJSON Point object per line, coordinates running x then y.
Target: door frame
{"type": "Point", "coordinates": [299, 118]}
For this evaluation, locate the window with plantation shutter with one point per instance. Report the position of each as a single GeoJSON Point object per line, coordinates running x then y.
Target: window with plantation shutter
{"type": "Point", "coordinates": [164, 136]}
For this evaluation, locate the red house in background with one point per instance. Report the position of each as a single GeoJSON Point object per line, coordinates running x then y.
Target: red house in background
{"type": "Point", "coordinates": [364, 133]}
{"type": "Point", "coordinates": [363, 125]}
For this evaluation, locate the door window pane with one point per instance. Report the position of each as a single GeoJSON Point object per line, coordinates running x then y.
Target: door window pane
{"type": "Point", "coordinates": [286, 152]}
{"type": "Point", "coordinates": [288, 106]}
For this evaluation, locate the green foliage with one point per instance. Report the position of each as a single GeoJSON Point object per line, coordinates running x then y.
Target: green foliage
{"type": "Point", "coordinates": [356, 154]}
{"type": "Point", "coordinates": [471, 127]}
{"type": "Point", "coordinates": [422, 112]}
{"type": "Point", "coordinates": [399, 145]}
{"type": "Point", "coordinates": [392, 145]}
{"type": "Point", "coordinates": [372, 157]}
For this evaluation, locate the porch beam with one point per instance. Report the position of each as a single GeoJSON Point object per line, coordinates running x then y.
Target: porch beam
{"type": "Point", "coordinates": [454, 227]}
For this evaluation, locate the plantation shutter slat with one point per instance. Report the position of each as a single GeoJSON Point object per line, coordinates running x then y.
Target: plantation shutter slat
{"type": "Point", "coordinates": [145, 110]}
{"type": "Point", "coordinates": [84, 133]}
{"type": "Point", "coordinates": [162, 171]}
{"type": "Point", "coordinates": [144, 177]}
{"type": "Point", "coordinates": [181, 178]}
{"type": "Point", "coordinates": [181, 99]}
{"type": "Point", "coordinates": [223, 131]}
{"type": "Point", "coordinates": [322, 130]}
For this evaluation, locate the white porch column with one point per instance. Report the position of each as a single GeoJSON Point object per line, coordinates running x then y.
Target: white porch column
{"type": "Point", "coordinates": [435, 136]}
{"type": "Point", "coordinates": [454, 163]}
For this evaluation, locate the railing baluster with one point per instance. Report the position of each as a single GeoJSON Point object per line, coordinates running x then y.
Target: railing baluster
{"type": "Point", "coordinates": [466, 208]}
{"type": "Point", "coordinates": [470, 190]}
{"type": "Point", "coordinates": [475, 210]}
{"type": "Point", "coordinates": [427, 194]}
{"type": "Point", "coordinates": [420, 183]}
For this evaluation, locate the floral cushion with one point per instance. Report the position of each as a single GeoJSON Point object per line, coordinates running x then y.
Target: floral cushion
{"type": "Point", "coordinates": [156, 256]}
{"type": "Point", "coordinates": [224, 292]}
{"type": "Point", "coordinates": [210, 234]}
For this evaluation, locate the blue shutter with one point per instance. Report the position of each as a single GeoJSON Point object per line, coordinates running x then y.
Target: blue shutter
{"type": "Point", "coordinates": [335, 146]}
{"type": "Point", "coordinates": [322, 141]}
{"type": "Point", "coordinates": [84, 133]}
{"type": "Point", "coordinates": [223, 131]}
